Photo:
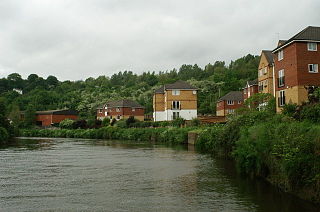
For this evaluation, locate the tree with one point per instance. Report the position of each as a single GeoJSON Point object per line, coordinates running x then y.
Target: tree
{"type": "Point", "coordinates": [30, 116]}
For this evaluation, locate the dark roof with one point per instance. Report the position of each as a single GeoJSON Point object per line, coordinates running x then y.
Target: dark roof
{"type": "Point", "coordinates": [310, 33]}
{"type": "Point", "coordinates": [124, 103]}
{"type": "Point", "coordinates": [160, 90]}
{"type": "Point", "coordinates": [233, 96]}
{"type": "Point", "coordinates": [269, 55]}
{"type": "Point", "coordinates": [182, 85]}
{"type": "Point", "coordinates": [253, 82]}
{"type": "Point", "coordinates": [58, 112]}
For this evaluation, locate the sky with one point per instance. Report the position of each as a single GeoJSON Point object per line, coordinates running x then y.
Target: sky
{"type": "Point", "coordinates": [77, 39]}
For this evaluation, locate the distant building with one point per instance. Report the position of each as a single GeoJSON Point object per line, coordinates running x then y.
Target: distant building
{"type": "Point", "coordinates": [49, 117]}
{"type": "Point", "coordinates": [250, 89]}
{"type": "Point", "coordinates": [121, 109]}
{"type": "Point", "coordinates": [19, 91]}
{"type": "Point", "coordinates": [265, 73]}
{"type": "Point", "coordinates": [175, 100]}
{"type": "Point", "coordinates": [229, 103]}
{"type": "Point", "coordinates": [296, 67]}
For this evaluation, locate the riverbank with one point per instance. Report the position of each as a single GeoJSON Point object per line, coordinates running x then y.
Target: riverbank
{"type": "Point", "coordinates": [277, 148]}
{"type": "Point", "coordinates": [166, 135]}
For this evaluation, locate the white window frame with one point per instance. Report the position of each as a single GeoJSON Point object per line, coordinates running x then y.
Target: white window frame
{"type": "Point", "coordinates": [282, 98]}
{"type": "Point", "coordinates": [176, 105]}
{"type": "Point", "coordinates": [230, 102]}
{"type": "Point", "coordinates": [230, 111]}
{"type": "Point", "coordinates": [175, 115]}
{"type": "Point", "coordinates": [194, 92]}
{"type": "Point", "coordinates": [314, 68]}
{"type": "Point", "coordinates": [175, 92]}
{"type": "Point", "coordinates": [133, 109]}
{"type": "Point", "coordinates": [280, 75]}
{"type": "Point", "coordinates": [280, 55]}
{"type": "Point", "coordinates": [311, 45]}
{"type": "Point", "coordinates": [239, 102]}
{"type": "Point", "coordinates": [117, 109]}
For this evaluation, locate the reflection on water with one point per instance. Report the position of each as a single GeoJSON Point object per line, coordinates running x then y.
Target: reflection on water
{"type": "Point", "coordinates": [91, 175]}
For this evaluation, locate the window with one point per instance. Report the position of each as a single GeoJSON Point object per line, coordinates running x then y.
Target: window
{"type": "Point", "coordinates": [280, 55]}
{"type": "Point", "coordinates": [133, 109]}
{"type": "Point", "coordinates": [230, 111]}
{"type": "Point", "coordinates": [239, 102]}
{"type": "Point", "coordinates": [260, 86]}
{"type": "Point", "coordinates": [194, 92]}
{"type": "Point", "coordinates": [118, 109]}
{"type": "Point", "coordinates": [282, 99]}
{"type": "Point", "coordinates": [313, 68]}
{"type": "Point", "coordinates": [176, 115]}
{"type": "Point", "coordinates": [281, 78]}
{"type": "Point", "coordinates": [118, 117]}
{"type": "Point", "coordinates": [265, 71]}
{"type": "Point", "coordinates": [175, 92]}
{"type": "Point", "coordinates": [230, 102]}
{"type": "Point", "coordinates": [312, 46]}
{"type": "Point", "coordinates": [176, 105]}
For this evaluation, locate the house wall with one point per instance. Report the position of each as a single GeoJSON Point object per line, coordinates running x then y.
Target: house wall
{"type": "Point", "coordinates": [158, 102]}
{"type": "Point", "coordinates": [125, 113]}
{"type": "Point", "coordinates": [188, 100]}
{"type": "Point", "coordinates": [268, 76]}
{"type": "Point", "coordinates": [222, 107]}
{"type": "Point", "coordinates": [295, 64]}
{"type": "Point", "coordinates": [48, 119]}
{"type": "Point", "coordinates": [101, 114]}
{"type": "Point", "coordinates": [249, 91]}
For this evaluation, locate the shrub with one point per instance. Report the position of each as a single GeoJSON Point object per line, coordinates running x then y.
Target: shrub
{"type": "Point", "coordinates": [290, 110]}
{"type": "Point", "coordinates": [113, 121]}
{"type": "Point", "coordinates": [105, 122]}
{"type": "Point", "coordinates": [121, 123]}
{"type": "Point", "coordinates": [178, 122]}
{"type": "Point", "coordinates": [195, 122]}
{"type": "Point", "coordinates": [311, 113]}
{"type": "Point", "coordinates": [4, 136]}
{"type": "Point", "coordinates": [66, 124]}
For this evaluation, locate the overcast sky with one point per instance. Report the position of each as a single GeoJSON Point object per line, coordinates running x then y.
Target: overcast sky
{"type": "Point", "coordinates": [77, 39]}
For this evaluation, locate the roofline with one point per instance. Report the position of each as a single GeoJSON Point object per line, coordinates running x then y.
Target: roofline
{"type": "Point", "coordinates": [186, 89]}
{"type": "Point", "coordinates": [287, 44]}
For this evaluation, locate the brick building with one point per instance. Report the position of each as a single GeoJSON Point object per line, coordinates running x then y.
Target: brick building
{"type": "Point", "coordinates": [50, 117]}
{"type": "Point", "coordinates": [121, 109]}
{"type": "Point", "coordinates": [229, 103]}
{"type": "Point", "coordinates": [296, 64]}
{"type": "Point", "coordinates": [175, 100]}
{"type": "Point", "coordinates": [250, 89]}
{"type": "Point", "coordinates": [265, 73]}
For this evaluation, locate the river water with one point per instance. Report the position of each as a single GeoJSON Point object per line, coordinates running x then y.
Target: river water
{"type": "Point", "coordinates": [95, 175]}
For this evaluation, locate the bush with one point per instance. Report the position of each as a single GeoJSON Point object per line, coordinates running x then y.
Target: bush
{"type": "Point", "coordinates": [121, 123]}
{"type": "Point", "coordinates": [66, 124]}
{"type": "Point", "coordinates": [311, 113]}
{"type": "Point", "coordinates": [113, 121]}
{"type": "Point", "coordinates": [105, 122]}
{"type": "Point", "coordinates": [178, 122]}
{"type": "Point", "coordinates": [290, 110]}
{"type": "Point", "coordinates": [195, 122]}
{"type": "Point", "coordinates": [4, 136]}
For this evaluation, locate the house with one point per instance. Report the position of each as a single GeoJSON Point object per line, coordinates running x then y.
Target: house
{"type": "Point", "coordinates": [175, 100]}
{"type": "Point", "coordinates": [265, 73]}
{"type": "Point", "coordinates": [121, 109]}
{"type": "Point", "coordinates": [250, 89]}
{"type": "Point", "coordinates": [49, 117]}
{"type": "Point", "coordinates": [228, 103]}
{"type": "Point", "coordinates": [296, 67]}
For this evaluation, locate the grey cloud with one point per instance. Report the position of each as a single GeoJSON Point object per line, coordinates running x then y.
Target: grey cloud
{"type": "Point", "coordinates": [76, 39]}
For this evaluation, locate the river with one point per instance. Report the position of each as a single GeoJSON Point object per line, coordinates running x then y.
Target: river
{"type": "Point", "coordinates": [96, 175]}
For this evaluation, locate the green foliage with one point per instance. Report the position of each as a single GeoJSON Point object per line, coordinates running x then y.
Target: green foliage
{"type": "Point", "coordinates": [311, 113]}
{"type": "Point", "coordinates": [261, 101]}
{"type": "Point", "coordinates": [195, 122]}
{"type": "Point", "coordinates": [105, 122]}
{"type": "Point", "coordinates": [178, 122]}
{"type": "Point", "coordinates": [113, 121]}
{"type": "Point", "coordinates": [289, 109]}
{"type": "Point", "coordinates": [130, 120]}
{"type": "Point", "coordinates": [29, 116]}
{"type": "Point", "coordinates": [4, 136]}
{"type": "Point", "coordinates": [122, 123]}
{"type": "Point", "coordinates": [66, 124]}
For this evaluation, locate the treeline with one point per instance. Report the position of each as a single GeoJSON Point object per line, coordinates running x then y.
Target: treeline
{"type": "Point", "coordinates": [50, 93]}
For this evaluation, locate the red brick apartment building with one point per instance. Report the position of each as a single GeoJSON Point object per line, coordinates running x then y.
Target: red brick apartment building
{"type": "Point", "coordinates": [228, 103]}
{"type": "Point", "coordinates": [49, 117]}
{"type": "Point", "coordinates": [250, 89]}
{"type": "Point", "coordinates": [296, 67]}
{"type": "Point", "coordinates": [121, 109]}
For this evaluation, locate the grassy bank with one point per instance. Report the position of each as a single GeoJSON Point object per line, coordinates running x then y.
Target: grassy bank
{"type": "Point", "coordinates": [278, 148]}
{"type": "Point", "coordinates": [168, 135]}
